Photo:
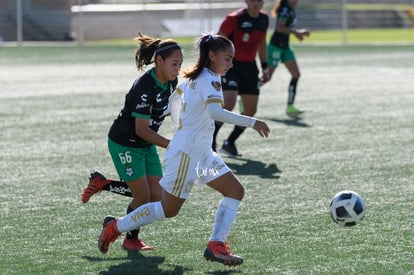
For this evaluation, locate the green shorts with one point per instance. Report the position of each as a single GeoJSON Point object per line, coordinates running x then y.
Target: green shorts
{"type": "Point", "coordinates": [134, 163]}
{"type": "Point", "coordinates": [276, 54]}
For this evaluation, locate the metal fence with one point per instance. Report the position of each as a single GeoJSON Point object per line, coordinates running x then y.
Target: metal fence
{"type": "Point", "coordinates": [84, 20]}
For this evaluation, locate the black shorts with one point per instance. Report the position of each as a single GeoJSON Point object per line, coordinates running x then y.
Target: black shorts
{"type": "Point", "coordinates": [242, 77]}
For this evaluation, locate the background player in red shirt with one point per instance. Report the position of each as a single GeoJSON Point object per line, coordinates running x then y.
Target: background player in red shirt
{"type": "Point", "coordinates": [247, 29]}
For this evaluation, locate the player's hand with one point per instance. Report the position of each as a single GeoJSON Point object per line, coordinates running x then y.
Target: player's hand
{"type": "Point", "coordinates": [262, 128]}
{"type": "Point", "coordinates": [301, 33]}
{"type": "Point", "coordinates": [304, 32]}
{"type": "Point", "coordinates": [265, 77]}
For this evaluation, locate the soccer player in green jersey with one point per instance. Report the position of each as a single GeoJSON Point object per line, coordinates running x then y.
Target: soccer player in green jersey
{"type": "Point", "coordinates": [279, 49]}
{"type": "Point", "coordinates": [133, 136]}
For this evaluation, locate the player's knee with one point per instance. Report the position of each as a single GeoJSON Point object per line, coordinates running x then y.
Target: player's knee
{"type": "Point", "coordinates": [250, 111]}
{"type": "Point", "coordinates": [170, 213]}
{"type": "Point", "coordinates": [296, 75]}
{"type": "Point", "coordinates": [241, 192]}
{"type": "Point", "coordinates": [229, 104]}
{"type": "Point", "coordinates": [237, 192]}
{"type": "Point", "coordinates": [253, 112]}
{"type": "Point", "coordinates": [156, 194]}
{"type": "Point", "coordinates": [137, 202]}
{"type": "Point", "coordinates": [156, 197]}
{"type": "Point", "coordinates": [228, 107]}
{"type": "Point", "coordinates": [170, 209]}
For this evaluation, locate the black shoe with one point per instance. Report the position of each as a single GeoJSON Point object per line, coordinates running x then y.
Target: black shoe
{"type": "Point", "coordinates": [229, 149]}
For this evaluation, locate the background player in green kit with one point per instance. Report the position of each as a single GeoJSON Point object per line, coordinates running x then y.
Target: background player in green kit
{"type": "Point", "coordinates": [133, 136]}
{"type": "Point", "coordinates": [279, 49]}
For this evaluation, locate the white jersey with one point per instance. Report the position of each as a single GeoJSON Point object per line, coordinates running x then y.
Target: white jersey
{"type": "Point", "coordinates": [189, 158]}
{"type": "Point", "coordinates": [194, 135]}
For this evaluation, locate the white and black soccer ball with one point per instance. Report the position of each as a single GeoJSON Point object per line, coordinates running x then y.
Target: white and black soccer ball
{"type": "Point", "coordinates": [347, 208]}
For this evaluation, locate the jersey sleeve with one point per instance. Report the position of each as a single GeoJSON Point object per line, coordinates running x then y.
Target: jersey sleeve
{"type": "Point", "coordinates": [229, 25]}
{"type": "Point", "coordinates": [174, 105]}
{"type": "Point", "coordinates": [211, 90]}
{"type": "Point", "coordinates": [216, 112]}
{"type": "Point", "coordinates": [140, 101]}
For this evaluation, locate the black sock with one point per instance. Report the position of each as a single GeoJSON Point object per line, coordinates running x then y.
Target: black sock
{"type": "Point", "coordinates": [237, 131]}
{"type": "Point", "coordinates": [118, 187]}
{"type": "Point", "coordinates": [133, 234]}
{"type": "Point", "coordinates": [292, 90]}
{"type": "Point", "coordinates": [218, 125]}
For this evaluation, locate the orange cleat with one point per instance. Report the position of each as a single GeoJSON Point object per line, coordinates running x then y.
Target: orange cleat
{"type": "Point", "coordinates": [109, 233]}
{"type": "Point", "coordinates": [97, 181]}
{"type": "Point", "coordinates": [135, 244]}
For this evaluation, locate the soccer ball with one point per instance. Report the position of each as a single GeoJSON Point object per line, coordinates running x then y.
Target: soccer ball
{"type": "Point", "coordinates": [347, 208]}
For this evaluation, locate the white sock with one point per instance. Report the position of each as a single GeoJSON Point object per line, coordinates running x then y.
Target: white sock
{"type": "Point", "coordinates": [145, 214]}
{"type": "Point", "coordinates": [225, 215]}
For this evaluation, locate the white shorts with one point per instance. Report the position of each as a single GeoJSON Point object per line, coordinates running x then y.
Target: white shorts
{"type": "Point", "coordinates": [182, 172]}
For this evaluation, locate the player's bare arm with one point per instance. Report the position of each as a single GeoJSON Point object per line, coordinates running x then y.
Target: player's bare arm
{"type": "Point", "coordinates": [143, 130]}
{"type": "Point", "coordinates": [298, 33]}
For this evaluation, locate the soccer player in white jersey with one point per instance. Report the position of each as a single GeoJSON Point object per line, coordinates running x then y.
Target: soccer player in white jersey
{"type": "Point", "coordinates": [190, 159]}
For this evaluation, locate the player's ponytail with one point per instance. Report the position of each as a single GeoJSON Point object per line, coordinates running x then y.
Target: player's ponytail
{"type": "Point", "coordinates": [149, 47]}
{"type": "Point", "coordinates": [206, 43]}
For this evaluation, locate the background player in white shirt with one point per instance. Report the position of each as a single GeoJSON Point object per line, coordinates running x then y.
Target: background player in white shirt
{"type": "Point", "coordinates": [190, 159]}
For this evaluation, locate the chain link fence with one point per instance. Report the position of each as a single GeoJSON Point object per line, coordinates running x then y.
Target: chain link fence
{"type": "Point", "coordinates": [86, 20]}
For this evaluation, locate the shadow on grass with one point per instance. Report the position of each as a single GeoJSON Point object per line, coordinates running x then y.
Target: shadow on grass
{"type": "Point", "coordinates": [138, 264]}
{"type": "Point", "coordinates": [255, 168]}
{"type": "Point", "coordinates": [292, 121]}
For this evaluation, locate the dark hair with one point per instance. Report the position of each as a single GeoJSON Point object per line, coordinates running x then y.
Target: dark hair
{"type": "Point", "coordinates": [206, 43]}
{"type": "Point", "coordinates": [149, 47]}
{"type": "Point", "coordinates": [277, 6]}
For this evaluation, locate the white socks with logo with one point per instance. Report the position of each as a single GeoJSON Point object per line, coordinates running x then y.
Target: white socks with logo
{"type": "Point", "coordinates": [148, 213]}
{"type": "Point", "coordinates": [145, 214]}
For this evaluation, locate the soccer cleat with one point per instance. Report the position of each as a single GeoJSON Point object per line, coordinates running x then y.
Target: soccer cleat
{"type": "Point", "coordinates": [97, 181]}
{"type": "Point", "coordinates": [292, 111]}
{"type": "Point", "coordinates": [220, 252]}
{"type": "Point", "coordinates": [109, 233]}
{"type": "Point", "coordinates": [229, 149]}
{"type": "Point", "coordinates": [135, 244]}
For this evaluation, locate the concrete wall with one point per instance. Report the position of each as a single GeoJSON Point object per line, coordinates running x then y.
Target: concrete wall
{"type": "Point", "coordinates": [42, 19]}
{"type": "Point", "coordinates": [112, 25]}
{"type": "Point", "coordinates": [57, 19]}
